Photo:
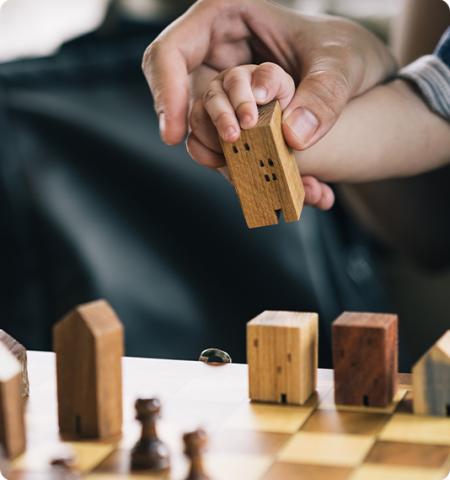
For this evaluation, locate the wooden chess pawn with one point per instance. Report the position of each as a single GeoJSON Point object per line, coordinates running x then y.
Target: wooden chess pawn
{"type": "Point", "coordinates": [194, 445]}
{"type": "Point", "coordinates": [149, 453]}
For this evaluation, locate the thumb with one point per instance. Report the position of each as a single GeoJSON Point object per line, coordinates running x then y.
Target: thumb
{"type": "Point", "coordinates": [315, 107]}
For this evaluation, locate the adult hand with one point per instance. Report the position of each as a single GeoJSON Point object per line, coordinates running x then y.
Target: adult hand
{"type": "Point", "coordinates": [330, 59]}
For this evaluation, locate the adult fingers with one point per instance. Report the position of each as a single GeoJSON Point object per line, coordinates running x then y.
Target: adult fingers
{"type": "Point", "coordinates": [317, 103]}
{"type": "Point", "coordinates": [317, 194]}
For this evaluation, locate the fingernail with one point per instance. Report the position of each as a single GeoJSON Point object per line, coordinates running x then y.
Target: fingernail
{"type": "Point", "coordinates": [162, 123]}
{"type": "Point", "coordinates": [246, 121]}
{"type": "Point", "coordinates": [229, 133]}
{"type": "Point", "coordinates": [303, 124]}
{"type": "Point", "coordinates": [260, 94]}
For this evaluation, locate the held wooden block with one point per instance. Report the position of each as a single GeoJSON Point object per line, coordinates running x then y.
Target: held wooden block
{"type": "Point", "coordinates": [88, 343]}
{"type": "Point", "coordinates": [365, 358]}
{"type": "Point", "coordinates": [431, 380]}
{"type": "Point", "coordinates": [282, 350]}
{"type": "Point", "coordinates": [12, 424]}
{"type": "Point", "coordinates": [20, 352]}
{"type": "Point", "coordinates": [264, 171]}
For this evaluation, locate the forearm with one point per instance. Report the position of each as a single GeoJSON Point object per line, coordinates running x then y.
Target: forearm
{"type": "Point", "coordinates": [388, 132]}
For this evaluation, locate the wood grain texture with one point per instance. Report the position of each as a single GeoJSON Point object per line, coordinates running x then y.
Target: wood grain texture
{"type": "Point", "coordinates": [365, 358]}
{"type": "Point", "coordinates": [12, 425]}
{"type": "Point", "coordinates": [88, 343]}
{"type": "Point", "coordinates": [282, 351]}
{"type": "Point", "coordinates": [20, 352]}
{"type": "Point", "coordinates": [264, 171]}
{"type": "Point", "coordinates": [431, 380]}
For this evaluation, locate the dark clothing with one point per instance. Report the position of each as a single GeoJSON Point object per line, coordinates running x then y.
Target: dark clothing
{"type": "Point", "coordinates": [94, 205]}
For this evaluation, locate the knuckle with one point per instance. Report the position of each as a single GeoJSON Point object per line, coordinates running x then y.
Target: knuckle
{"type": "Point", "coordinates": [330, 91]}
{"type": "Point", "coordinates": [150, 53]}
{"type": "Point", "coordinates": [269, 70]}
{"type": "Point", "coordinates": [209, 95]}
{"type": "Point", "coordinates": [233, 78]}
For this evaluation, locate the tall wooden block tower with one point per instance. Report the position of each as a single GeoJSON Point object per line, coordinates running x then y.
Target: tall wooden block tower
{"type": "Point", "coordinates": [282, 349]}
{"type": "Point", "coordinates": [264, 171]}
{"type": "Point", "coordinates": [12, 424]}
{"type": "Point", "coordinates": [365, 358]}
{"type": "Point", "coordinates": [431, 380]}
{"type": "Point", "coordinates": [88, 343]}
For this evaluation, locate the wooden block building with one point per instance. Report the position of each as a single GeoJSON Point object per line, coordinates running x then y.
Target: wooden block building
{"type": "Point", "coordinates": [365, 358]}
{"type": "Point", "coordinates": [264, 171]}
{"type": "Point", "coordinates": [88, 343]}
{"type": "Point", "coordinates": [12, 405]}
{"type": "Point", "coordinates": [431, 380]}
{"type": "Point", "coordinates": [282, 356]}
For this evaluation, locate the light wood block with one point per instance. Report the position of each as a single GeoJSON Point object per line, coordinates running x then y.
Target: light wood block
{"type": "Point", "coordinates": [431, 380]}
{"type": "Point", "coordinates": [282, 349]}
{"type": "Point", "coordinates": [326, 449]}
{"type": "Point", "coordinates": [365, 358]}
{"type": "Point", "coordinates": [88, 343]}
{"type": "Point", "coordinates": [20, 352]}
{"type": "Point", "coordinates": [264, 171]}
{"type": "Point", "coordinates": [12, 424]}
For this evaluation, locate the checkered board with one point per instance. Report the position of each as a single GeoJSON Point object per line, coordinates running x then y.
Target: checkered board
{"type": "Point", "coordinates": [246, 440]}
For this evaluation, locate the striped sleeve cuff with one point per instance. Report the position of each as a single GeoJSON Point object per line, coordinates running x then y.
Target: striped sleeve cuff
{"type": "Point", "coordinates": [432, 76]}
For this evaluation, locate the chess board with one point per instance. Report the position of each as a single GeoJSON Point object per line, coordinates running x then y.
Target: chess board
{"type": "Point", "coordinates": [247, 441]}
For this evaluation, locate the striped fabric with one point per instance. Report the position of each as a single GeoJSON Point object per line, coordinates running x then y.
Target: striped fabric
{"type": "Point", "coordinates": [431, 74]}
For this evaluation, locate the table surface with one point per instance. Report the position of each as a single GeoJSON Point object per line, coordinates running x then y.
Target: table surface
{"type": "Point", "coordinates": [196, 394]}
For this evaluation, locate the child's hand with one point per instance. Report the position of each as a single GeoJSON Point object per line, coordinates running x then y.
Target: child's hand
{"type": "Point", "coordinates": [230, 103]}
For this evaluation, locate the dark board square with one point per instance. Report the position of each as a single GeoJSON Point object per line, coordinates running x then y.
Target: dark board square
{"type": "Point", "coordinates": [247, 442]}
{"type": "Point", "coordinates": [295, 471]}
{"type": "Point", "coordinates": [335, 421]}
{"type": "Point", "coordinates": [410, 454]}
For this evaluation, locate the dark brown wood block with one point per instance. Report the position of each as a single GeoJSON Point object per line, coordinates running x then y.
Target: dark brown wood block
{"type": "Point", "coordinates": [88, 343]}
{"type": "Point", "coordinates": [20, 352]}
{"type": "Point", "coordinates": [365, 358]}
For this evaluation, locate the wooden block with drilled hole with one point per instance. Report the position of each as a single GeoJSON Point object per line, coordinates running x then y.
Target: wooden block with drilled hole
{"type": "Point", "coordinates": [282, 356]}
{"type": "Point", "coordinates": [431, 380]}
{"type": "Point", "coordinates": [20, 352]}
{"type": "Point", "coordinates": [12, 424]}
{"type": "Point", "coordinates": [88, 343]}
{"type": "Point", "coordinates": [365, 358]}
{"type": "Point", "coordinates": [264, 171]}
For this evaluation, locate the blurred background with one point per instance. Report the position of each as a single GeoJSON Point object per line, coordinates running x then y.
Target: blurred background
{"type": "Point", "coordinates": [92, 204]}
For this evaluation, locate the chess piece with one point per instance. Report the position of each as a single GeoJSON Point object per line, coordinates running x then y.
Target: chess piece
{"type": "Point", "coordinates": [89, 346]}
{"type": "Point", "coordinates": [264, 171]}
{"type": "Point", "coordinates": [431, 380]}
{"type": "Point", "coordinates": [20, 352]}
{"type": "Point", "coordinates": [365, 358]}
{"type": "Point", "coordinates": [282, 356]}
{"type": "Point", "coordinates": [149, 453]}
{"type": "Point", "coordinates": [194, 445]}
{"type": "Point", "coordinates": [12, 405]}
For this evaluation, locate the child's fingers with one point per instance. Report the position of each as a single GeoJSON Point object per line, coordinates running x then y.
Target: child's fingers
{"type": "Point", "coordinates": [270, 81]}
{"type": "Point", "coordinates": [202, 127]}
{"type": "Point", "coordinates": [221, 111]}
{"type": "Point", "coordinates": [202, 154]}
{"type": "Point", "coordinates": [317, 194]}
{"type": "Point", "coordinates": [237, 85]}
